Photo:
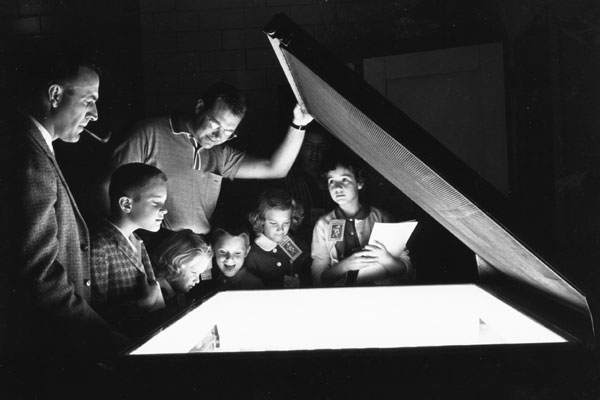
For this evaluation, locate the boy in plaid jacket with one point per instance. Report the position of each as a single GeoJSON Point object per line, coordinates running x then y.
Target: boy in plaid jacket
{"type": "Point", "coordinates": [124, 289]}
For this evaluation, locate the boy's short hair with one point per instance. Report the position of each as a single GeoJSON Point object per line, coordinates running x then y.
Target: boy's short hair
{"type": "Point", "coordinates": [131, 180]}
{"type": "Point", "coordinates": [228, 94]}
{"type": "Point", "coordinates": [348, 161]}
{"type": "Point", "coordinates": [232, 230]}
{"type": "Point", "coordinates": [176, 249]}
{"type": "Point", "coordinates": [279, 199]}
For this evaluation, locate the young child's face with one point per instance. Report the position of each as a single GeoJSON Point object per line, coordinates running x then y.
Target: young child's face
{"type": "Point", "coordinates": [230, 253]}
{"type": "Point", "coordinates": [342, 185]}
{"type": "Point", "coordinates": [191, 269]}
{"type": "Point", "coordinates": [277, 224]}
{"type": "Point", "coordinates": [148, 210]}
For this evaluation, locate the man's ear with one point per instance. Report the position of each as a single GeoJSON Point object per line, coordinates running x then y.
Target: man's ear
{"type": "Point", "coordinates": [125, 204]}
{"type": "Point", "coordinates": [55, 93]}
{"type": "Point", "coordinates": [360, 185]}
{"type": "Point", "coordinates": [199, 106]}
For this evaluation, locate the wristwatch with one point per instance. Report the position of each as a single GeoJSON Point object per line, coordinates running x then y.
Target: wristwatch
{"type": "Point", "coordinates": [298, 127]}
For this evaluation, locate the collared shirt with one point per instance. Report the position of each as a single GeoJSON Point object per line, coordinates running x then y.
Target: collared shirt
{"type": "Point", "coordinates": [192, 193]}
{"type": "Point", "coordinates": [324, 251]}
{"type": "Point", "coordinates": [268, 260]}
{"type": "Point", "coordinates": [45, 134]}
{"type": "Point", "coordinates": [131, 239]}
{"type": "Point", "coordinates": [195, 145]}
{"type": "Point", "coordinates": [117, 272]}
{"type": "Point", "coordinates": [265, 243]}
{"type": "Point", "coordinates": [352, 242]}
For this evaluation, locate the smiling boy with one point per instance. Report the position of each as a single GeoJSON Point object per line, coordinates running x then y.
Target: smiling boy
{"type": "Point", "coordinates": [230, 248]}
{"type": "Point", "coordinates": [123, 284]}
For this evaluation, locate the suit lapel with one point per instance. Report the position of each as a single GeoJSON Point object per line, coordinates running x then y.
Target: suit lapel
{"type": "Point", "coordinates": [125, 248]}
{"type": "Point", "coordinates": [36, 137]}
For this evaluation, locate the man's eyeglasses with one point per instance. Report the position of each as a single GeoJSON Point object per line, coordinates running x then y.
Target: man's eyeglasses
{"type": "Point", "coordinates": [227, 134]}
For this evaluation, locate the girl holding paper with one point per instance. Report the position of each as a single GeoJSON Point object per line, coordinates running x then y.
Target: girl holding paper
{"type": "Point", "coordinates": [340, 251]}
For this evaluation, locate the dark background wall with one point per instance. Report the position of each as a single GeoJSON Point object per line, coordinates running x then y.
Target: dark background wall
{"type": "Point", "coordinates": [158, 56]}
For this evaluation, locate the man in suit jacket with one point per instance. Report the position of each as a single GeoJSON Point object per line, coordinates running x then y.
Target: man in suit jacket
{"type": "Point", "coordinates": [45, 276]}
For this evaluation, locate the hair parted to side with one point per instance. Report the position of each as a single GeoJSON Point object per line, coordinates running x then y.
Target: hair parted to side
{"type": "Point", "coordinates": [278, 199]}
{"type": "Point", "coordinates": [178, 248]}
{"type": "Point", "coordinates": [131, 180]}
{"type": "Point", "coordinates": [228, 94]}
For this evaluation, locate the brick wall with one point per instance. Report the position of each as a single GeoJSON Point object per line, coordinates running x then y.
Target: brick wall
{"type": "Point", "coordinates": [107, 31]}
{"type": "Point", "coordinates": [159, 55]}
{"type": "Point", "coordinates": [187, 45]}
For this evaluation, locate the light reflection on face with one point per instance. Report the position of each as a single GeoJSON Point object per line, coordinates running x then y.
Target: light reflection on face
{"type": "Point", "coordinates": [343, 186]}
{"type": "Point", "coordinates": [230, 253]}
{"type": "Point", "coordinates": [148, 208]}
{"type": "Point", "coordinates": [216, 125]}
{"type": "Point", "coordinates": [75, 105]}
{"type": "Point", "coordinates": [190, 271]}
{"type": "Point", "coordinates": [277, 224]}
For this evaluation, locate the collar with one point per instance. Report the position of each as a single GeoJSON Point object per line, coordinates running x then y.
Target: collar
{"type": "Point", "coordinates": [363, 213]}
{"type": "Point", "coordinates": [45, 134]}
{"type": "Point", "coordinates": [265, 243]}
{"type": "Point", "coordinates": [129, 239]}
{"type": "Point", "coordinates": [180, 126]}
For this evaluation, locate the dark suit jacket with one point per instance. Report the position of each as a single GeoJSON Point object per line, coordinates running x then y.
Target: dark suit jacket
{"type": "Point", "coordinates": [45, 276]}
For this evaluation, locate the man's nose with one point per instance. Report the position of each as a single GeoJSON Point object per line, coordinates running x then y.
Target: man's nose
{"type": "Point", "coordinates": [93, 114]}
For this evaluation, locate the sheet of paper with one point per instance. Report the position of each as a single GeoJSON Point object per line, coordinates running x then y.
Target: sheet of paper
{"type": "Point", "coordinates": [393, 235]}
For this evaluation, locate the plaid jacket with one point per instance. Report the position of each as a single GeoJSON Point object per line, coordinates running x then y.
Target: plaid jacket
{"type": "Point", "coordinates": [117, 272]}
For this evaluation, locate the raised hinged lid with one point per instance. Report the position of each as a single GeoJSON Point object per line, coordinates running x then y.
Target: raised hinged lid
{"type": "Point", "coordinates": [411, 159]}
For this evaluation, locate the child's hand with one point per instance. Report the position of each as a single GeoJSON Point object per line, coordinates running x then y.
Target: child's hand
{"type": "Point", "coordinates": [301, 117]}
{"type": "Point", "coordinates": [395, 266]}
{"type": "Point", "coordinates": [377, 251]}
{"type": "Point", "coordinates": [357, 261]}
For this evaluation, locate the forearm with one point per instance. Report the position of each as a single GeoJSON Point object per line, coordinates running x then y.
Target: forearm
{"type": "Point", "coordinates": [373, 273]}
{"type": "Point", "coordinates": [280, 162]}
{"type": "Point", "coordinates": [395, 267]}
{"type": "Point", "coordinates": [284, 156]}
{"type": "Point", "coordinates": [334, 273]}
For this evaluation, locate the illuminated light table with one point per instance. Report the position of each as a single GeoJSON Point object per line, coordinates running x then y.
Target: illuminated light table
{"type": "Point", "coordinates": [342, 318]}
{"type": "Point", "coordinates": [438, 340]}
